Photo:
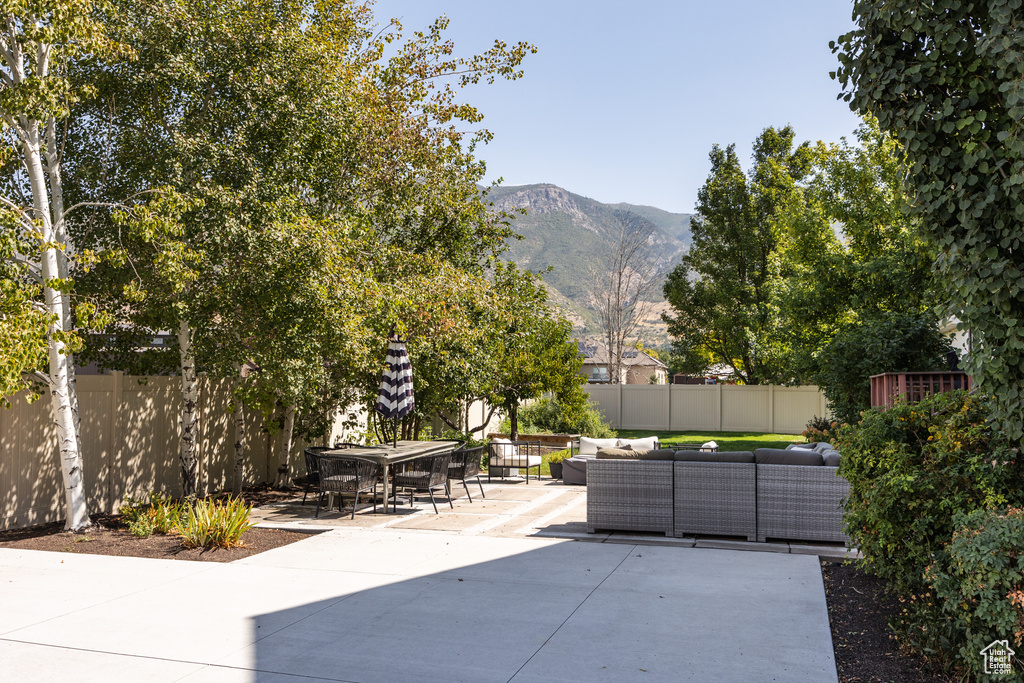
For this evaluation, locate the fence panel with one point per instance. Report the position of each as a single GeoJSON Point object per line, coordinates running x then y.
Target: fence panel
{"type": "Point", "coordinates": [645, 405]}
{"type": "Point", "coordinates": [130, 446]}
{"type": "Point", "coordinates": [607, 399]}
{"type": "Point", "coordinates": [695, 407]}
{"type": "Point", "coordinates": [745, 409]}
{"type": "Point", "coordinates": [795, 406]}
{"type": "Point", "coordinates": [727, 408]}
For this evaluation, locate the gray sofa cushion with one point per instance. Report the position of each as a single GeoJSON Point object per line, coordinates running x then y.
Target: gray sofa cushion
{"type": "Point", "coordinates": [800, 445]}
{"type": "Point", "coordinates": [780, 456]}
{"type": "Point", "coordinates": [832, 458]}
{"type": "Point", "coordinates": [822, 446]}
{"type": "Point", "coordinates": [709, 456]}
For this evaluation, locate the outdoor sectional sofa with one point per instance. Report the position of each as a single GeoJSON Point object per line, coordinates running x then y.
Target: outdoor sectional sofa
{"type": "Point", "coordinates": [789, 494]}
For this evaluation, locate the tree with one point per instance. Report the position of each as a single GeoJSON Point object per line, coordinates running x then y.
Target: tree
{"type": "Point", "coordinates": [622, 285]}
{"type": "Point", "coordinates": [852, 249]}
{"type": "Point", "coordinates": [532, 350]}
{"type": "Point", "coordinates": [889, 342]}
{"type": "Point", "coordinates": [255, 112]}
{"type": "Point", "coordinates": [37, 41]}
{"type": "Point", "coordinates": [945, 78]}
{"type": "Point", "coordinates": [723, 292]}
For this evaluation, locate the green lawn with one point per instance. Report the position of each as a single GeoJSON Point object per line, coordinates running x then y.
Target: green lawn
{"type": "Point", "coordinates": [727, 441]}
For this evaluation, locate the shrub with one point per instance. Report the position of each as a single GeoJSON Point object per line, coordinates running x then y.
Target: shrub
{"type": "Point", "coordinates": [819, 430]}
{"type": "Point", "coordinates": [979, 582]}
{"type": "Point", "coordinates": [911, 469]}
{"type": "Point", "coordinates": [159, 515]}
{"type": "Point", "coordinates": [893, 342]}
{"type": "Point", "coordinates": [214, 524]}
{"type": "Point", "coordinates": [558, 456]}
{"type": "Point", "coordinates": [550, 416]}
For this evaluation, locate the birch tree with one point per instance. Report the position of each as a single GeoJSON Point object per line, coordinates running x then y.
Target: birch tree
{"type": "Point", "coordinates": [37, 40]}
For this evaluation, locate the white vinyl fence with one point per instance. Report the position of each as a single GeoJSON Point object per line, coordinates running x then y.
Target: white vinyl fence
{"type": "Point", "coordinates": [714, 408]}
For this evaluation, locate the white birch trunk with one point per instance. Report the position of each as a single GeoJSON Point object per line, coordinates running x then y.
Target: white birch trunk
{"type": "Point", "coordinates": [239, 421]}
{"type": "Point", "coordinates": [64, 413]}
{"type": "Point", "coordinates": [284, 476]}
{"type": "Point", "coordinates": [189, 411]}
{"type": "Point", "coordinates": [56, 182]}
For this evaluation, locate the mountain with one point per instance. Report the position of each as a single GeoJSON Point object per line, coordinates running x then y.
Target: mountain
{"type": "Point", "coordinates": [568, 233]}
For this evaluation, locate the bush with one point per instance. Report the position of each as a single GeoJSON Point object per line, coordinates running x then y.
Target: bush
{"type": "Point", "coordinates": [550, 416]}
{"type": "Point", "coordinates": [894, 342]}
{"type": "Point", "coordinates": [214, 524]}
{"type": "Point", "coordinates": [911, 469]}
{"type": "Point", "coordinates": [159, 515]}
{"type": "Point", "coordinates": [979, 582]}
{"type": "Point", "coordinates": [819, 430]}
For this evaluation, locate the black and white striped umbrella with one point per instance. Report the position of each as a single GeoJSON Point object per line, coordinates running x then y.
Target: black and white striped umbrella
{"type": "Point", "coordinates": [396, 398]}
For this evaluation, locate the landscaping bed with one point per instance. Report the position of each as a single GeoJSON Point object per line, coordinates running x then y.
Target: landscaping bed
{"type": "Point", "coordinates": [865, 649]}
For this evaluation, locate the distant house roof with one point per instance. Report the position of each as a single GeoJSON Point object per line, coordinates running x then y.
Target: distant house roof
{"type": "Point", "coordinates": [596, 353]}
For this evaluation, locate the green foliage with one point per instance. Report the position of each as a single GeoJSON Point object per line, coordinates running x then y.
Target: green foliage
{"type": "Point", "coordinates": [532, 350]}
{"type": "Point", "coordinates": [214, 524]}
{"type": "Point", "coordinates": [722, 293]}
{"type": "Point", "coordinates": [819, 430]}
{"type": "Point", "coordinates": [550, 416]}
{"type": "Point", "coordinates": [979, 581]}
{"type": "Point", "coordinates": [889, 343]}
{"type": "Point", "coordinates": [157, 515]}
{"type": "Point", "coordinates": [911, 469]}
{"type": "Point", "coordinates": [557, 457]}
{"type": "Point", "coordinates": [945, 78]}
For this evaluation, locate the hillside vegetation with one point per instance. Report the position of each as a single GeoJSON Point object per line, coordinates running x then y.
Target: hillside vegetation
{"type": "Point", "coordinates": [567, 233]}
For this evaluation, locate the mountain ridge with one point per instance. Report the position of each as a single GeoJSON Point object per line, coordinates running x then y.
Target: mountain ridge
{"type": "Point", "coordinates": [564, 236]}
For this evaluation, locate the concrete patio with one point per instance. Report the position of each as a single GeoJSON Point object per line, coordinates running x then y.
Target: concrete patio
{"type": "Point", "coordinates": [405, 604]}
{"type": "Point", "coordinates": [512, 509]}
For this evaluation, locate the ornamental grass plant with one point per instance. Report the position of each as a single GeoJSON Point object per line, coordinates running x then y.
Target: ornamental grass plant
{"type": "Point", "coordinates": [214, 524]}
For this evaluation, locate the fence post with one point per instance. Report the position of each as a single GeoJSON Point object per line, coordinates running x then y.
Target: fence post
{"type": "Point", "coordinates": [719, 387]}
{"type": "Point", "coordinates": [619, 425]}
{"type": "Point", "coordinates": [771, 409]}
{"type": "Point", "coordinates": [116, 438]}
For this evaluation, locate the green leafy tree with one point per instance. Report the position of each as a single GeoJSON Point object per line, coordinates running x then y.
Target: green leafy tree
{"type": "Point", "coordinates": [533, 350]}
{"type": "Point", "coordinates": [890, 342]}
{"type": "Point", "coordinates": [38, 39]}
{"type": "Point", "coordinates": [946, 79]}
{"type": "Point", "coordinates": [853, 250]}
{"type": "Point", "coordinates": [723, 294]}
{"type": "Point", "coordinates": [257, 113]}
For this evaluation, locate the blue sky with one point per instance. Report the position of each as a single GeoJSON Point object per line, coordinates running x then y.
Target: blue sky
{"type": "Point", "coordinates": [623, 101]}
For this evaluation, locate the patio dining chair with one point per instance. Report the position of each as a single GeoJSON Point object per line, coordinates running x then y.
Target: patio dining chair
{"type": "Point", "coordinates": [341, 474]}
{"type": "Point", "coordinates": [311, 480]}
{"type": "Point", "coordinates": [427, 473]}
{"type": "Point", "coordinates": [465, 465]}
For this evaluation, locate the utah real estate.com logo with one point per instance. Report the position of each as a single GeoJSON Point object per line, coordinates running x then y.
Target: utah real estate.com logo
{"type": "Point", "coordinates": [998, 658]}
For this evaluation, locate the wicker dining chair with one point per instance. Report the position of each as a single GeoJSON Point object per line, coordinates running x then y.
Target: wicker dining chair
{"type": "Point", "coordinates": [465, 465]}
{"type": "Point", "coordinates": [427, 473]}
{"type": "Point", "coordinates": [312, 478]}
{"type": "Point", "coordinates": [340, 474]}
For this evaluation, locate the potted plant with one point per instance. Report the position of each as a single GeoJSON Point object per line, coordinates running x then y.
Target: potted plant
{"type": "Point", "coordinates": [555, 463]}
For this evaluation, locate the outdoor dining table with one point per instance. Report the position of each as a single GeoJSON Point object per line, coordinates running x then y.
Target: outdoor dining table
{"type": "Point", "coordinates": [387, 455]}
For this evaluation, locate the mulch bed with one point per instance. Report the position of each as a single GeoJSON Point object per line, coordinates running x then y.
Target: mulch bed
{"type": "Point", "coordinates": [865, 649]}
{"type": "Point", "coordinates": [108, 536]}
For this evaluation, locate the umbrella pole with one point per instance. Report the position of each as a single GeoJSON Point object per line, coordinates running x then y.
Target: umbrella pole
{"type": "Point", "coordinates": [394, 434]}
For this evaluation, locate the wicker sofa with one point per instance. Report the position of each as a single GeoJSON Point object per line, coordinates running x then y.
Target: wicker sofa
{"type": "Point", "coordinates": [791, 494]}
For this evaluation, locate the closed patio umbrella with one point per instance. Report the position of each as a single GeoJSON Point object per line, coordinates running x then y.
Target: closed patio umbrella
{"type": "Point", "coordinates": [396, 398]}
